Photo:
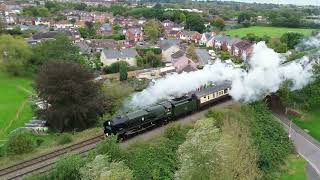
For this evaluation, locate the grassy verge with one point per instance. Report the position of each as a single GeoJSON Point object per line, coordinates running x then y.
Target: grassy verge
{"type": "Point", "coordinates": [50, 143]}
{"type": "Point", "coordinates": [294, 169]}
{"type": "Point", "coordinates": [15, 109]}
{"type": "Point", "coordinates": [270, 31]}
{"type": "Point", "coordinates": [310, 123]}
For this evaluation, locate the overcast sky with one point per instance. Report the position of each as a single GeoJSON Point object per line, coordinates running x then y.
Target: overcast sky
{"type": "Point", "coordinates": [297, 2]}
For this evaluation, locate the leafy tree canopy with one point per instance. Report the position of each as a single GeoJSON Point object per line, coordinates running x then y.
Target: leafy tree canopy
{"type": "Point", "coordinates": [74, 100]}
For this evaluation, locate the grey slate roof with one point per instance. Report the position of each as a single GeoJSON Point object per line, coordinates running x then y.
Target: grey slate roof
{"type": "Point", "coordinates": [167, 43]}
{"type": "Point", "coordinates": [123, 53]}
{"type": "Point", "coordinates": [203, 56]}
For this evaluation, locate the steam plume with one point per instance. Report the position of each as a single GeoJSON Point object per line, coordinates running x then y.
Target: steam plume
{"type": "Point", "coordinates": [266, 74]}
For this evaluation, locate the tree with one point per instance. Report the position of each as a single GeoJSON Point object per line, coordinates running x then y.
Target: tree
{"type": "Point", "coordinates": [74, 100]}
{"type": "Point", "coordinates": [278, 46]}
{"type": "Point", "coordinates": [213, 153]}
{"type": "Point", "coordinates": [219, 23]}
{"type": "Point", "coordinates": [101, 168]}
{"type": "Point", "coordinates": [123, 71]}
{"type": "Point", "coordinates": [291, 39]}
{"type": "Point", "coordinates": [195, 22]}
{"type": "Point", "coordinates": [152, 59]}
{"type": "Point", "coordinates": [200, 155]}
{"type": "Point", "coordinates": [67, 168]}
{"type": "Point", "coordinates": [191, 53]}
{"type": "Point", "coordinates": [244, 16]}
{"type": "Point", "coordinates": [60, 49]}
{"type": "Point", "coordinates": [14, 54]}
{"type": "Point", "coordinates": [285, 17]}
{"type": "Point", "coordinates": [152, 29]}
{"type": "Point", "coordinates": [179, 17]}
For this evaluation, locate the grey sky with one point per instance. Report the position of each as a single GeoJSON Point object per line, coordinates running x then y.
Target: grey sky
{"type": "Point", "coordinates": [297, 2]}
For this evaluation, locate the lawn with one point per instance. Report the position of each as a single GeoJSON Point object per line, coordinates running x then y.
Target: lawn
{"type": "Point", "coordinates": [270, 31]}
{"type": "Point", "coordinates": [15, 108]}
{"type": "Point", "coordinates": [311, 123]}
{"type": "Point", "coordinates": [294, 169]}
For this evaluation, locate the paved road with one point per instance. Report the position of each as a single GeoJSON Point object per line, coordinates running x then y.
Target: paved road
{"type": "Point", "coordinates": [306, 145]}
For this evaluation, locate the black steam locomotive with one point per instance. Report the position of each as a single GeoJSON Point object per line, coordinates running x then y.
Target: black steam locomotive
{"type": "Point", "coordinates": [161, 113]}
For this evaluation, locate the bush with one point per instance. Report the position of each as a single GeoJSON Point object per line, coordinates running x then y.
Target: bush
{"type": "Point", "coordinates": [176, 133]}
{"type": "Point", "coordinates": [111, 147]}
{"type": "Point", "coordinates": [64, 139]}
{"type": "Point", "coordinates": [269, 138]}
{"type": "Point", "coordinates": [67, 168]}
{"type": "Point", "coordinates": [19, 143]}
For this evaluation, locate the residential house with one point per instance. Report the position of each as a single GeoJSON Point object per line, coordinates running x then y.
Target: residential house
{"type": "Point", "coordinates": [168, 48]}
{"type": "Point", "coordinates": [142, 20]}
{"type": "Point", "coordinates": [243, 49]}
{"type": "Point", "coordinates": [196, 37]}
{"type": "Point", "coordinates": [189, 36]}
{"type": "Point", "coordinates": [184, 64]}
{"type": "Point", "coordinates": [63, 25]}
{"type": "Point", "coordinates": [133, 35]}
{"type": "Point", "coordinates": [205, 38]}
{"type": "Point", "coordinates": [106, 29]}
{"type": "Point", "coordinates": [43, 36]}
{"type": "Point", "coordinates": [42, 21]}
{"type": "Point", "coordinates": [97, 45]}
{"type": "Point", "coordinates": [220, 41]}
{"type": "Point", "coordinates": [203, 56]}
{"type": "Point", "coordinates": [167, 24]}
{"type": "Point", "coordinates": [109, 56]}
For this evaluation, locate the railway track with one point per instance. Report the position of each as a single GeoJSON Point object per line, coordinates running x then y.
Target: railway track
{"type": "Point", "coordinates": [44, 162]}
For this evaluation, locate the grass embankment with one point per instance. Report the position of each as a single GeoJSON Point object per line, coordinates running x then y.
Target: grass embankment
{"type": "Point", "coordinates": [310, 123]}
{"type": "Point", "coordinates": [50, 143]}
{"type": "Point", "coordinates": [269, 31]}
{"type": "Point", "coordinates": [15, 109]}
{"type": "Point", "coordinates": [294, 169]}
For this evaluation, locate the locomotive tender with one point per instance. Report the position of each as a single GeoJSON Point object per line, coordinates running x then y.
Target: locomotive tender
{"type": "Point", "coordinates": [165, 111]}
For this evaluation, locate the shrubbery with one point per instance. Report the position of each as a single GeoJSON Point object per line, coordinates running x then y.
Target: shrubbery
{"type": "Point", "coordinates": [20, 142]}
{"type": "Point", "coordinates": [269, 138]}
{"type": "Point", "coordinates": [67, 168]}
{"type": "Point", "coordinates": [64, 139]}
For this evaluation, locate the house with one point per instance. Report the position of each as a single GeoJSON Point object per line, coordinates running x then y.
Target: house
{"type": "Point", "coordinates": [205, 38]}
{"type": "Point", "coordinates": [168, 48]}
{"type": "Point", "coordinates": [109, 56]}
{"type": "Point", "coordinates": [62, 25]}
{"type": "Point", "coordinates": [167, 24]}
{"type": "Point", "coordinates": [42, 21]}
{"type": "Point", "coordinates": [171, 34]}
{"type": "Point", "coordinates": [133, 35]}
{"type": "Point", "coordinates": [220, 41]}
{"type": "Point", "coordinates": [97, 45]}
{"type": "Point", "coordinates": [106, 29]}
{"type": "Point", "coordinates": [184, 64]}
{"type": "Point", "coordinates": [196, 37]}
{"type": "Point", "coordinates": [142, 20]}
{"type": "Point", "coordinates": [203, 56]}
{"type": "Point", "coordinates": [43, 36]}
{"type": "Point", "coordinates": [189, 36]}
{"type": "Point", "coordinates": [243, 49]}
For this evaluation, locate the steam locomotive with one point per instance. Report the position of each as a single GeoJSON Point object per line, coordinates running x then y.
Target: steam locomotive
{"type": "Point", "coordinates": [132, 123]}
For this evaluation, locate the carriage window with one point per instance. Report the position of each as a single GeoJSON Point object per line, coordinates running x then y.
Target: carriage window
{"type": "Point", "coordinates": [226, 91]}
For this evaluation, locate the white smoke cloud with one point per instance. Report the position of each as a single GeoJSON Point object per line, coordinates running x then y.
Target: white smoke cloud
{"type": "Point", "coordinates": [309, 43]}
{"type": "Point", "coordinates": [266, 74]}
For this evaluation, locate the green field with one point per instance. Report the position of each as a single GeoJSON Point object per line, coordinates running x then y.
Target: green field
{"type": "Point", "coordinates": [270, 31]}
{"type": "Point", "coordinates": [311, 123]}
{"type": "Point", "coordinates": [295, 169]}
{"type": "Point", "coordinates": [15, 108]}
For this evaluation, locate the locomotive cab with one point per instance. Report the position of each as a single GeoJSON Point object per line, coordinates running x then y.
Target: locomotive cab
{"type": "Point", "coordinates": [107, 128]}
